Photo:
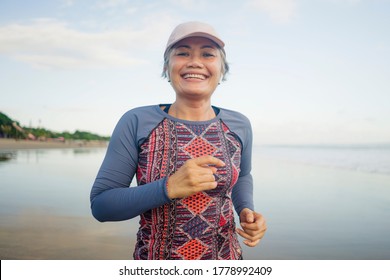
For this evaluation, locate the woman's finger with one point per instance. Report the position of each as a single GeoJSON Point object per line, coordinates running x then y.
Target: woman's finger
{"type": "Point", "coordinates": [249, 240]}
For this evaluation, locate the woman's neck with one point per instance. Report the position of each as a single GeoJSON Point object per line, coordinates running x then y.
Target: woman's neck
{"type": "Point", "coordinates": [192, 111]}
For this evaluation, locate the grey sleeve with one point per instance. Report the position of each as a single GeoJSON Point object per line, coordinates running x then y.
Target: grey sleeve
{"type": "Point", "coordinates": [242, 193]}
{"type": "Point", "coordinates": [112, 198]}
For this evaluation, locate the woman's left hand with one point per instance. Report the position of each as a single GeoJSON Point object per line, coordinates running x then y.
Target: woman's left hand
{"type": "Point", "coordinates": [253, 227]}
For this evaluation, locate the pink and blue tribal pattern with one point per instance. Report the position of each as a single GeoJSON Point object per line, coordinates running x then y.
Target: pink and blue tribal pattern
{"type": "Point", "coordinates": [200, 226]}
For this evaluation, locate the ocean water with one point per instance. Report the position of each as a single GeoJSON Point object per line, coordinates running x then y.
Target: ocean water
{"type": "Point", "coordinates": [365, 158]}
{"type": "Point", "coordinates": [320, 202]}
{"type": "Point", "coordinates": [323, 202]}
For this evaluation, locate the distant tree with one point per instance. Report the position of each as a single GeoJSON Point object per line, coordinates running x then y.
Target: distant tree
{"type": "Point", "coordinates": [5, 131]}
{"type": "Point", "coordinates": [12, 129]}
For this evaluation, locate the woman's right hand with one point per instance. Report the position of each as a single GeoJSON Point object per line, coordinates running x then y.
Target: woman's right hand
{"type": "Point", "coordinates": [194, 176]}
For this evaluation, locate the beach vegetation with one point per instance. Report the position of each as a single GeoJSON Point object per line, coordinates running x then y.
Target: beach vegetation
{"type": "Point", "coordinates": [10, 128]}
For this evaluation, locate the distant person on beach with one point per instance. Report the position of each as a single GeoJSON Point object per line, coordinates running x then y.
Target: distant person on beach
{"type": "Point", "coordinates": [192, 162]}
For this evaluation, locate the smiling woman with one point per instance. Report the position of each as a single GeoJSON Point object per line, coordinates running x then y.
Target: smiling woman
{"type": "Point", "coordinates": [218, 52]}
{"type": "Point", "coordinates": [192, 162]}
{"type": "Point", "coordinates": [194, 68]}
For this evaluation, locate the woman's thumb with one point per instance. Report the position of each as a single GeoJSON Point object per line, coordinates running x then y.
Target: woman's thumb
{"type": "Point", "coordinates": [248, 216]}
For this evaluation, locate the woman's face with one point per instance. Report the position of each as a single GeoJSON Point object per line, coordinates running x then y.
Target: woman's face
{"type": "Point", "coordinates": [195, 67]}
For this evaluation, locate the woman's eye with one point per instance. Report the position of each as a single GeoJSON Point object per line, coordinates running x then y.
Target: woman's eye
{"type": "Point", "coordinates": [182, 54]}
{"type": "Point", "coordinates": [208, 55]}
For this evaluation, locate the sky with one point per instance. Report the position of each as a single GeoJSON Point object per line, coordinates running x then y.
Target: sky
{"type": "Point", "coordinates": [302, 71]}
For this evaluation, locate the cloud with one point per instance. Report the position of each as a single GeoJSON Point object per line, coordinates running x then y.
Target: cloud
{"type": "Point", "coordinates": [190, 5]}
{"type": "Point", "coordinates": [50, 43]}
{"type": "Point", "coordinates": [111, 4]}
{"type": "Point", "coordinates": [346, 1]}
{"type": "Point", "coordinates": [280, 11]}
{"type": "Point", "coordinates": [67, 3]}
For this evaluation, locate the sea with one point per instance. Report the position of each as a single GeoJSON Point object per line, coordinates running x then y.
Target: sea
{"type": "Point", "coordinates": [320, 202]}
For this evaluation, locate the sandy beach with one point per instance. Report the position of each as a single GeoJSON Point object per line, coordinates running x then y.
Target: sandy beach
{"type": "Point", "coordinates": [16, 144]}
{"type": "Point", "coordinates": [36, 235]}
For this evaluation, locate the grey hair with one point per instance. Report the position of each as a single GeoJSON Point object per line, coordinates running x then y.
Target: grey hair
{"type": "Point", "coordinates": [224, 68]}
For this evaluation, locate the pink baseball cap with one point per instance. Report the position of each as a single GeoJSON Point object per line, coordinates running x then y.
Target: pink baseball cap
{"type": "Point", "coordinates": [193, 29]}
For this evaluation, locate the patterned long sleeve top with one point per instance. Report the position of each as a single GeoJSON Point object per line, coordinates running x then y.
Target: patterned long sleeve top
{"type": "Point", "coordinates": [151, 145]}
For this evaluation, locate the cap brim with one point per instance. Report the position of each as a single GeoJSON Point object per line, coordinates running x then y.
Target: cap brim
{"type": "Point", "coordinates": [216, 40]}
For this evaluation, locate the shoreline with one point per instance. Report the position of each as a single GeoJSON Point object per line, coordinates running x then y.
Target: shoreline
{"type": "Point", "coordinates": [7, 145]}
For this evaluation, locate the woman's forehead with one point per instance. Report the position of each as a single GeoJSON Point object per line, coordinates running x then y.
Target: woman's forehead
{"type": "Point", "coordinates": [191, 42]}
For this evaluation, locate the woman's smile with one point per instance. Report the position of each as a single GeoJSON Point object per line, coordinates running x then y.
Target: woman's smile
{"type": "Point", "coordinates": [194, 76]}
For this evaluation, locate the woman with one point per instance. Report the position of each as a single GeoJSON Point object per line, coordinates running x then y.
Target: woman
{"type": "Point", "coordinates": [192, 162]}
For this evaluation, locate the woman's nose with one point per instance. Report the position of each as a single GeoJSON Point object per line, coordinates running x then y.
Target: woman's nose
{"type": "Point", "coordinates": [194, 62]}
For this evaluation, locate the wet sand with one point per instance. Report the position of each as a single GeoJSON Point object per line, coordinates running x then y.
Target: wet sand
{"type": "Point", "coordinates": [33, 234]}
{"type": "Point", "coordinates": [40, 236]}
